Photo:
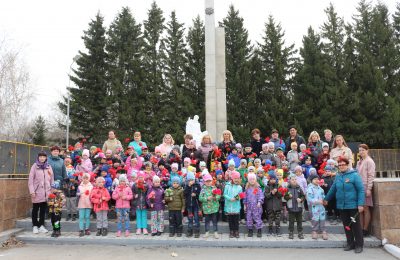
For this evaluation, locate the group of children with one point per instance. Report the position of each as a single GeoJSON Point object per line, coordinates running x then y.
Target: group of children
{"type": "Point", "coordinates": [257, 190]}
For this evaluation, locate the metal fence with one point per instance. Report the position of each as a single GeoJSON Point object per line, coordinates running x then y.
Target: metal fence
{"type": "Point", "coordinates": [16, 158]}
{"type": "Point", "coordinates": [387, 162]}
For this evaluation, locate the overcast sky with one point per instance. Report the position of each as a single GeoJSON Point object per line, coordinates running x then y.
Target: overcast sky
{"type": "Point", "coordinates": [49, 32]}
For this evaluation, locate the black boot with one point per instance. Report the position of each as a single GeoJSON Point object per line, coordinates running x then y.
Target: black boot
{"type": "Point", "coordinates": [196, 233]}
{"type": "Point", "coordinates": [278, 231]}
{"type": "Point", "coordinates": [58, 233]}
{"type": "Point", "coordinates": [291, 235]}
{"type": "Point", "coordinates": [270, 232]}
{"type": "Point", "coordinates": [179, 234]}
{"type": "Point", "coordinates": [98, 232]}
{"type": "Point", "coordinates": [73, 217]}
{"type": "Point", "coordinates": [104, 232]}
{"type": "Point", "coordinates": [68, 217]}
{"type": "Point", "coordinates": [301, 236]}
{"type": "Point", "coordinates": [358, 250]}
{"type": "Point", "coordinates": [53, 234]}
{"type": "Point", "coordinates": [349, 248]}
{"type": "Point", "coordinates": [171, 234]}
{"type": "Point", "coordinates": [231, 234]}
{"type": "Point", "coordinates": [259, 233]}
{"type": "Point", "coordinates": [237, 233]}
{"type": "Point", "coordinates": [189, 233]}
{"type": "Point", "coordinates": [81, 233]}
{"type": "Point", "coordinates": [250, 233]}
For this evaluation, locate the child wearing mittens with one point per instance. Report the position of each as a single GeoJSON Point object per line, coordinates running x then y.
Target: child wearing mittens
{"type": "Point", "coordinates": [210, 201]}
{"type": "Point", "coordinates": [155, 200]}
{"type": "Point", "coordinates": [233, 194]}
{"type": "Point", "coordinates": [122, 196]}
{"type": "Point", "coordinates": [84, 204]}
{"type": "Point", "coordinates": [253, 205]}
{"type": "Point", "coordinates": [99, 198]}
{"type": "Point", "coordinates": [315, 197]}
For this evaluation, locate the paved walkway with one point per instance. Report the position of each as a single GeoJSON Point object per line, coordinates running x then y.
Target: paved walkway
{"type": "Point", "coordinates": [97, 252]}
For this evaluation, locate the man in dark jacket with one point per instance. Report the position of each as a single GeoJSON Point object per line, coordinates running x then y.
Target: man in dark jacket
{"type": "Point", "coordinates": [294, 137]}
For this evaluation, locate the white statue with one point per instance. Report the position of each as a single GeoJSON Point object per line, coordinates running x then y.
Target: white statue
{"type": "Point", "coordinates": [193, 128]}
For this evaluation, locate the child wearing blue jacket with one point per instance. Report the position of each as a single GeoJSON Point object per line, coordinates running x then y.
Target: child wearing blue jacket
{"type": "Point", "coordinates": [233, 195]}
{"type": "Point", "coordinates": [315, 197]}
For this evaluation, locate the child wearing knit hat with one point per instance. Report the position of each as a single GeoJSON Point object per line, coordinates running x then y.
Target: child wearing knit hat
{"type": "Point", "coordinates": [139, 191]}
{"type": "Point", "coordinates": [175, 200]}
{"type": "Point", "coordinates": [174, 173]}
{"type": "Point", "coordinates": [191, 193]}
{"type": "Point", "coordinates": [232, 195]}
{"type": "Point", "coordinates": [122, 195]}
{"type": "Point", "coordinates": [155, 200]}
{"type": "Point", "coordinates": [315, 197]}
{"type": "Point", "coordinates": [329, 178]}
{"type": "Point", "coordinates": [274, 205]}
{"type": "Point", "coordinates": [253, 205]}
{"type": "Point", "coordinates": [295, 198]}
{"type": "Point", "coordinates": [210, 196]}
{"type": "Point", "coordinates": [243, 171]}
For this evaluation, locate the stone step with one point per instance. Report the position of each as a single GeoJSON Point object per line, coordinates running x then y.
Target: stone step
{"type": "Point", "coordinates": [72, 226]}
{"type": "Point", "coordinates": [334, 241]}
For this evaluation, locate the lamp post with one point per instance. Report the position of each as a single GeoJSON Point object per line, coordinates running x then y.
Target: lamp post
{"type": "Point", "coordinates": [69, 98]}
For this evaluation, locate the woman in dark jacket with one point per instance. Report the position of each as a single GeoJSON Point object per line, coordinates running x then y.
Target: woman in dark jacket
{"type": "Point", "coordinates": [349, 192]}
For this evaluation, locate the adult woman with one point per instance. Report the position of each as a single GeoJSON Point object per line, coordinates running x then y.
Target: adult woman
{"type": "Point", "coordinates": [185, 146]}
{"type": "Point", "coordinates": [315, 146]}
{"type": "Point", "coordinates": [206, 146]}
{"type": "Point", "coordinates": [41, 178]}
{"type": "Point", "coordinates": [349, 192]}
{"type": "Point", "coordinates": [111, 143]}
{"type": "Point", "coordinates": [167, 144]}
{"type": "Point", "coordinates": [366, 169]}
{"type": "Point", "coordinates": [227, 143]}
{"type": "Point", "coordinates": [57, 164]}
{"type": "Point", "coordinates": [137, 143]}
{"type": "Point", "coordinates": [340, 149]}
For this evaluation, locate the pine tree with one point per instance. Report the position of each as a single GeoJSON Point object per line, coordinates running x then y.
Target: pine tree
{"type": "Point", "coordinates": [239, 93]}
{"type": "Point", "coordinates": [279, 66]}
{"type": "Point", "coordinates": [89, 101]}
{"type": "Point", "coordinates": [127, 94]}
{"type": "Point", "coordinates": [154, 84]}
{"type": "Point", "coordinates": [176, 99]}
{"type": "Point", "coordinates": [196, 67]}
{"type": "Point", "coordinates": [39, 131]}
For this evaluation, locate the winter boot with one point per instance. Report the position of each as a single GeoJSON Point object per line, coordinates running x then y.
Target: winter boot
{"type": "Point", "coordinates": [189, 233]}
{"type": "Point", "coordinates": [68, 217]}
{"type": "Point", "coordinates": [250, 233]}
{"type": "Point", "coordinates": [104, 232]}
{"type": "Point", "coordinates": [73, 217]}
{"type": "Point", "coordinates": [98, 232]}
{"type": "Point", "coordinates": [301, 236]}
{"type": "Point", "coordinates": [81, 233]}
{"type": "Point", "coordinates": [237, 233]}
{"type": "Point", "coordinates": [196, 233]}
{"type": "Point", "coordinates": [291, 235]}
{"type": "Point", "coordinates": [231, 235]}
{"type": "Point", "coordinates": [259, 233]}
{"type": "Point", "coordinates": [270, 231]}
{"type": "Point", "coordinates": [278, 231]}
{"type": "Point", "coordinates": [53, 234]}
{"type": "Point", "coordinates": [87, 232]}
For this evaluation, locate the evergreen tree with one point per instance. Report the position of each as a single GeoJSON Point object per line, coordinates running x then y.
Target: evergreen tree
{"type": "Point", "coordinates": [154, 84]}
{"type": "Point", "coordinates": [279, 66]}
{"type": "Point", "coordinates": [239, 92]}
{"type": "Point", "coordinates": [176, 96]}
{"type": "Point", "coordinates": [39, 131]}
{"type": "Point", "coordinates": [196, 67]}
{"type": "Point", "coordinates": [88, 107]}
{"type": "Point", "coordinates": [124, 49]}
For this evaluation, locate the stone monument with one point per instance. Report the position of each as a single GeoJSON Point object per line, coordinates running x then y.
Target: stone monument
{"type": "Point", "coordinates": [193, 128]}
{"type": "Point", "coordinates": [216, 118]}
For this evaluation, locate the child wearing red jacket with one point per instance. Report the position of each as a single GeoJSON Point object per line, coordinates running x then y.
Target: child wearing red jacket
{"type": "Point", "coordinates": [100, 197]}
{"type": "Point", "coordinates": [122, 195]}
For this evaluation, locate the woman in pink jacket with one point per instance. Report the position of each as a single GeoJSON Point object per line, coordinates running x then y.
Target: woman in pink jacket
{"type": "Point", "coordinates": [100, 197]}
{"type": "Point", "coordinates": [84, 205]}
{"type": "Point", "coordinates": [122, 195]}
{"type": "Point", "coordinates": [41, 177]}
{"type": "Point", "coordinates": [366, 169]}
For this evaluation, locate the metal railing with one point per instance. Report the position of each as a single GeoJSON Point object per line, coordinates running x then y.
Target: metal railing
{"type": "Point", "coordinates": [17, 158]}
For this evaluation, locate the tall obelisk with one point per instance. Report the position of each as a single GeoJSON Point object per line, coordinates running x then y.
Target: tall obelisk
{"type": "Point", "coordinates": [215, 74]}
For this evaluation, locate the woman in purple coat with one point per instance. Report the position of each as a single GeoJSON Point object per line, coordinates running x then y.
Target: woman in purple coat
{"type": "Point", "coordinates": [41, 177]}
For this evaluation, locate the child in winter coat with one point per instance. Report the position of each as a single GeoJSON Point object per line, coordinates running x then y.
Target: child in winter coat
{"type": "Point", "coordinates": [233, 193]}
{"type": "Point", "coordinates": [148, 174]}
{"type": "Point", "coordinates": [293, 157]}
{"type": "Point", "coordinates": [300, 180]}
{"type": "Point", "coordinates": [295, 197]}
{"type": "Point", "coordinates": [243, 171]}
{"type": "Point", "coordinates": [191, 193]}
{"type": "Point", "coordinates": [315, 197]}
{"type": "Point", "coordinates": [107, 178]}
{"type": "Point", "coordinates": [70, 187]}
{"type": "Point", "coordinates": [253, 205]}
{"type": "Point", "coordinates": [122, 196]}
{"type": "Point", "coordinates": [282, 183]}
{"type": "Point", "coordinates": [85, 164]}
{"type": "Point", "coordinates": [174, 173]}
{"type": "Point", "coordinates": [307, 166]}
{"type": "Point", "coordinates": [140, 190]}
{"type": "Point", "coordinates": [84, 205]}
{"type": "Point", "coordinates": [99, 198]}
{"type": "Point", "coordinates": [329, 178]}
{"type": "Point", "coordinates": [274, 205]}
{"type": "Point", "coordinates": [155, 200]}
{"type": "Point", "coordinates": [210, 196]}
{"type": "Point", "coordinates": [234, 156]}
{"type": "Point", "coordinates": [55, 203]}
{"type": "Point", "coordinates": [176, 206]}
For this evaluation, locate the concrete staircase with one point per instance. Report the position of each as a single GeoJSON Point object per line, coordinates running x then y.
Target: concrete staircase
{"type": "Point", "coordinates": [70, 236]}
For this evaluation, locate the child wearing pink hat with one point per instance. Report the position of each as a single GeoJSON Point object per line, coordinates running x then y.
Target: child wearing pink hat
{"type": "Point", "coordinates": [210, 196]}
{"type": "Point", "coordinates": [253, 205]}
